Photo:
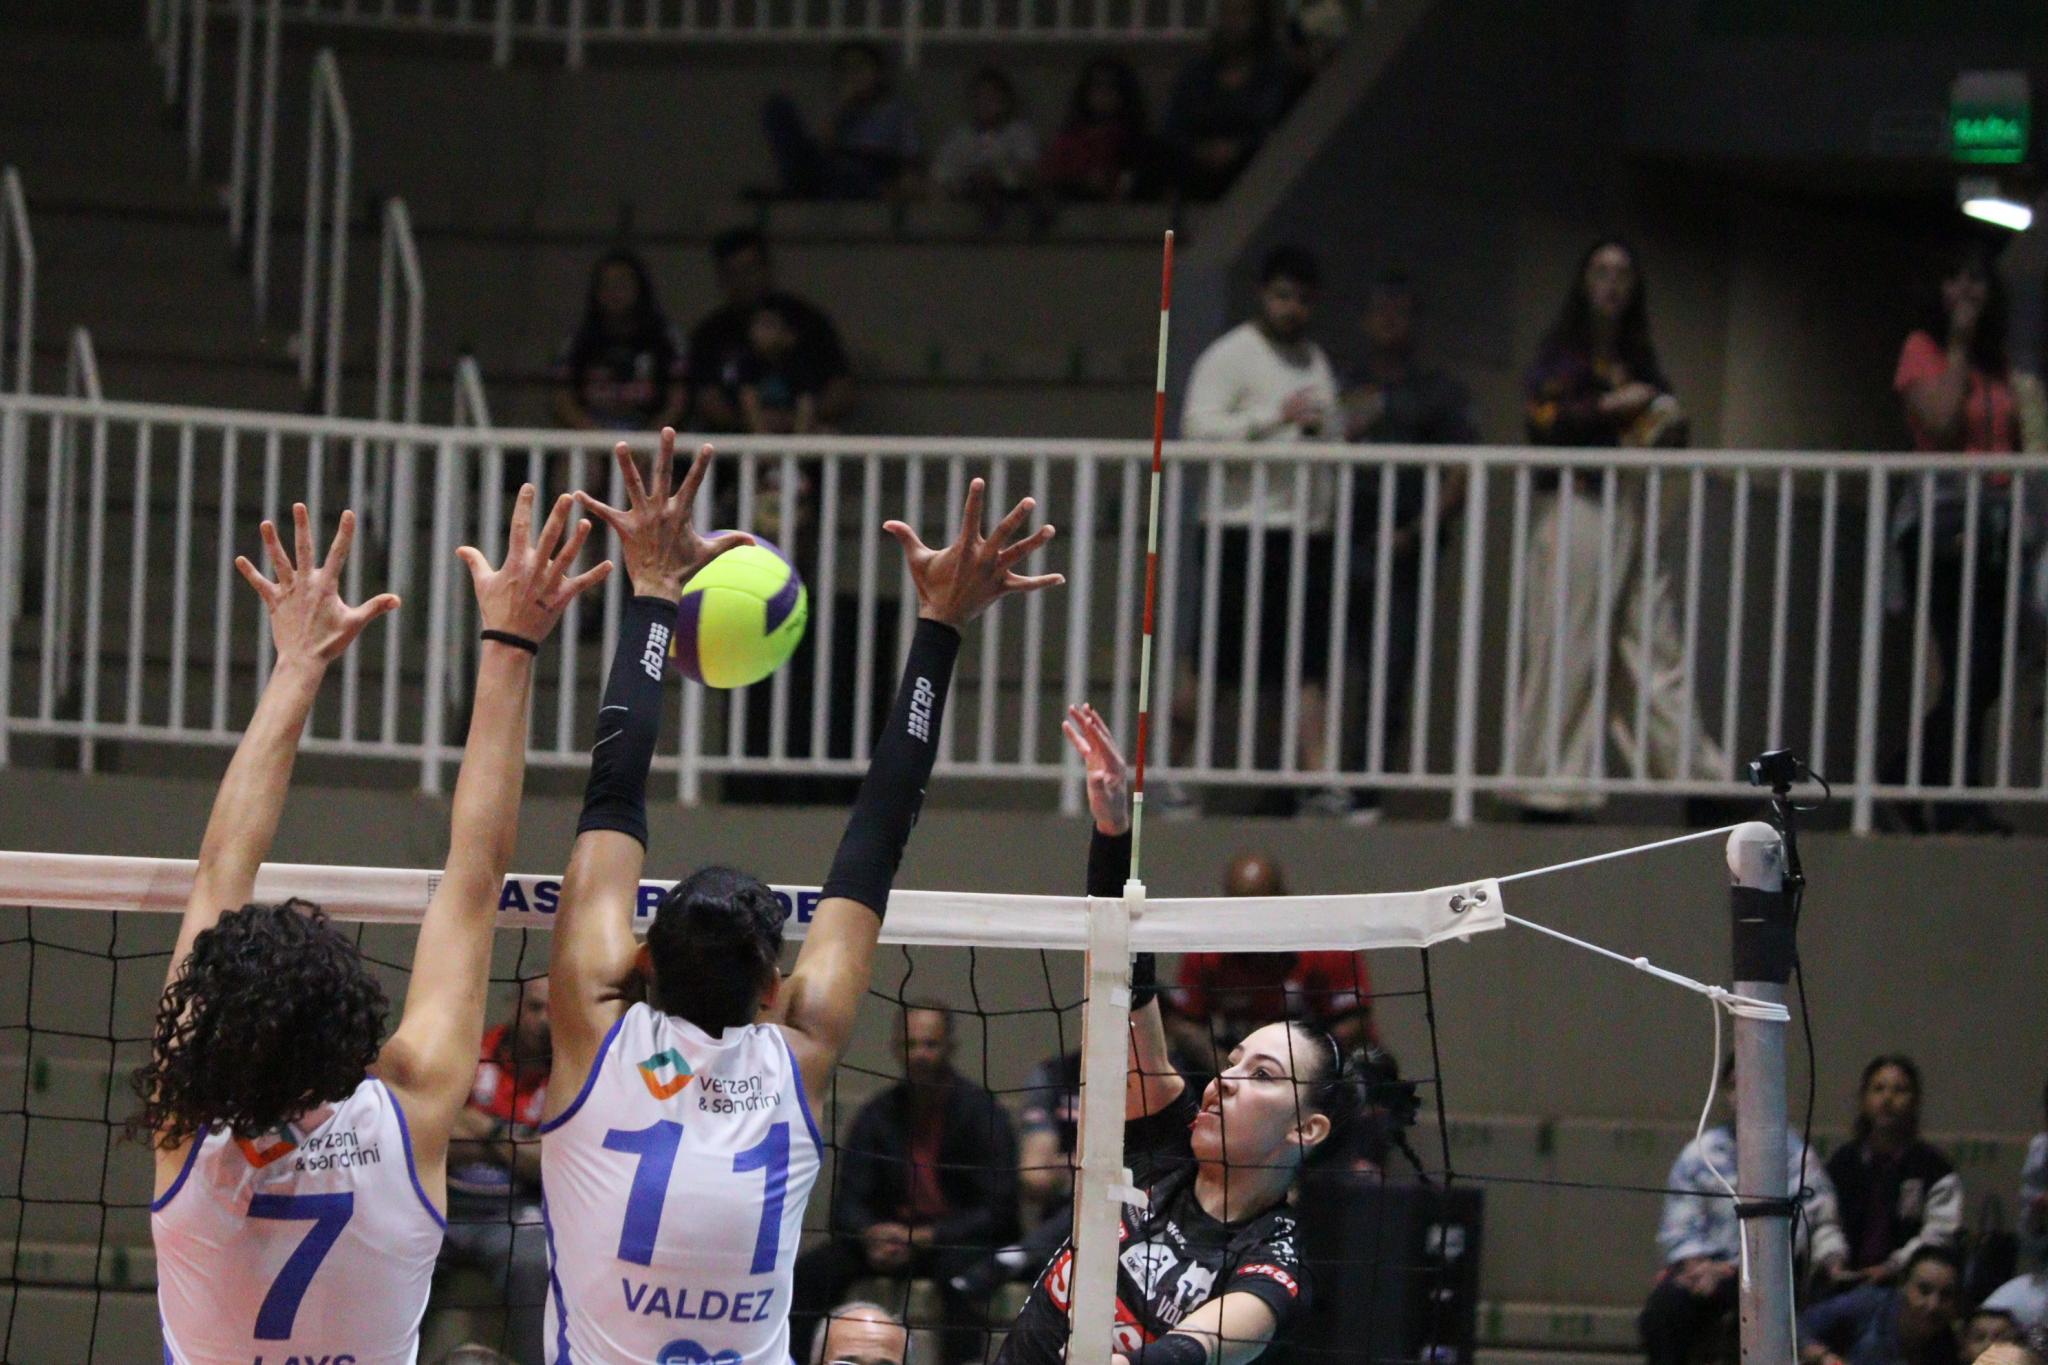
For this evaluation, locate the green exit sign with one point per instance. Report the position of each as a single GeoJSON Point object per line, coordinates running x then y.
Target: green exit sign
{"type": "Point", "coordinates": [1988, 137]}
{"type": "Point", "coordinates": [1989, 118]}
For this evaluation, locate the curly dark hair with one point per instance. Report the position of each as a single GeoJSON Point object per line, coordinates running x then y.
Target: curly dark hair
{"type": "Point", "coordinates": [272, 1014]}
{"type": "Point", "coordinates": [714, 941]}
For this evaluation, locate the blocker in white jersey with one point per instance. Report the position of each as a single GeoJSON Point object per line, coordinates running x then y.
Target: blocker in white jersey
{"type": "Point", "coordinates": [676, 1184]}
{"type": "Point", "coordinates": [315, 1242]}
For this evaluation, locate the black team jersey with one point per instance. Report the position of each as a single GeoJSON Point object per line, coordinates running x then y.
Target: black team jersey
{"type": "Point", "coordinates": [1173, 1258]}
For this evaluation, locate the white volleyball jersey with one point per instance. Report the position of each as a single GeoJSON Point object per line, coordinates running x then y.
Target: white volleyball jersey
{"type": "Point", "coordinates": [313, 1243]}
{"type": "Point", "coordinates": [675, 1191]}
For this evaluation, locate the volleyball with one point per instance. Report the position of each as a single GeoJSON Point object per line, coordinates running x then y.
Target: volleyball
{"type": "Point", "coordinates": [742, 616]}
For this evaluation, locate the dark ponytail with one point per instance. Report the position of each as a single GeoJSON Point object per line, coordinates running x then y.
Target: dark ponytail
{"type": "Point", "coordinates": [715, 941]}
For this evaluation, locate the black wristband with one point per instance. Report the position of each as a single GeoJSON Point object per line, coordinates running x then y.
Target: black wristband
{"type": "Point", "coordinates": [1144, 980]}
{"type": "Point", "coordinates": [893, 791]}
{"type": "Point", "coordinates": [506, 637]}
{"type": "Point", "coordinates": [1109, 863]}
{"type": "Point", "coordinates": [629, 721]}
{"type": "Point", "coordinates": [1175, 1348]}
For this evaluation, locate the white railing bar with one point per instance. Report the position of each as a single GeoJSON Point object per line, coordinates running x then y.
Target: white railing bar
{"type": "Point", "coordinates": [405, 478]}
{"type": "Point", "coordinates": [1254, 590]}
{"type": "Point", "coordinates": [1560, 632]}
{"type": "Point", "coordinates": [1781, 577]}
{"type": "Point", "coordinates": [2008, 672]}
{"type": "Point", "coordinates": [1168, 675]}
{"type": "Point", "coordinates": [1339, 611]}
{"type": "Point", "coordinates": [472, 408]}
{"type": "Point", "coordinates": [1517, 607]}
{"type": "Point", "coordinates": [1080, 598]}
{"type": "Point", "coordinates": [11, 439]}
{"type": "Point", "coordinates": [53, 572]}
{"type": "Point", "coordinates": [1650, 584]}
{"type": "Point", "coordinates": [238, 137]}
{"type": "Point", "coordinates": [1738, 574]}
{"type": "Point", "coordinates": [1824, 619]}
{"type": "Point", "coordinates": [95, 591]}
{"type": "Point", "coordinates": [1466, 757]}
{"type": "Point", "coordinates": [1296, 618]}
{"type": "Point", "coordinates": [1120, 678]}
{"type": "Point", "coordinates": [949, 727]}
{"type": "Point", "coordinates": [1425, 618]}
{"type": "Point", "coordinates": [1688, 721]}
{"type": "Point", "coordinates": [991, 627]}
{"type": "Point", "coordinates": [1966, 633]}
{"type": "Point", "coordinates": [223, 570]}
{"type": "Point", "coordinates": [1034, 635]}
{"type": "Point", "coordinates": [441, 551]}
{"type": "Point", "coordinates": [277, 512]}
{"type": "Point", "coordinates": [1382, 597]}
{"type": "Point", "coordinates": [1861, 806]}
{"type": "Point", "coordinates": [778, 682]}
{"type": "Point", "coordinates": [138, 552]}
{"type": "Point", "coordinates": [823, 609]}
{"type": "Point", "coordinates": [22, 240]}
{"type": "Point", "coordinates": [266, 161]}
{"type": "Point", "coordinates": [1603, 617]}
{"type": "Point", "coordinates": [1923, 588]}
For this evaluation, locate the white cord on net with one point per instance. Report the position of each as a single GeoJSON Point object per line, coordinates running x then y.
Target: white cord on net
{"type": "Point", "coordinates": [1617, 853]}
{"type": "Point", "coordinates": [1748, 1006]}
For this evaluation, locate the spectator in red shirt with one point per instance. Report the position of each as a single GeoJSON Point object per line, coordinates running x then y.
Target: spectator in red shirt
{"type": "Point", "coordinates": [1220, 997]}
{"type": "Point", "coordinates": [494, 1222]}
{"type": "Point", "coordinates": [1955, 383]}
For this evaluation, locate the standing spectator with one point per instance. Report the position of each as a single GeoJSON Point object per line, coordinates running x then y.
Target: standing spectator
{"type": "Point", "coordinates": [1220, 997]}
{"type": "Point", "coordinates": [988, 160]}
{"type": "Point", "coordinates": [622, 369]}
{"type": "Point", "coordinates": [1700, 1237]}
{"type": "Point", "coordinates": [927, 1186]}
{"type": "Point", "coordinates": [721, 339]}
{"type": "Point", "coordinates": [1597, 382]}
{"type": "Point", "coordinates": [860, 1333]}
{"type": "Point", "coordinates": [868, 148]}
{"type": "Point", "coordinates": [494, 1218]}
{"type": "Point", "coordinates": [1956, 384]}
{"type": "Point", "coordinates": [1266, 380]}
{"type": "Point", "coordinates": [1228, 99]}
{"type": "Point", "coordinates": [1103, 152]}
{"type": "Point", "coordinates": [1897, 1193]}
{"type": "Point", "coordinates": [1393, 398]}
{"type": "Point", "coordinates": [1914, 1324]}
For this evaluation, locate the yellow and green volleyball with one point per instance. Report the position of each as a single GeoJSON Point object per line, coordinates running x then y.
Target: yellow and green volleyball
{"type": "Point", "coordinates": [741, 618]}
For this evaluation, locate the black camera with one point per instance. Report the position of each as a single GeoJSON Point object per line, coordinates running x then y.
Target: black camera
{"type": "Point", "coordinates": [1779, 769]}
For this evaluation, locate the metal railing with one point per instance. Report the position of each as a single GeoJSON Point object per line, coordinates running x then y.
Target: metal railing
{"type": "Point", "coordinates": [327, 209]}
{"type": "Point", "coordinates": [576, 24]}
{"type": "Point", "coordinates": [18, 325]}
{"type": "Point", "coordinates": [1367, 618]}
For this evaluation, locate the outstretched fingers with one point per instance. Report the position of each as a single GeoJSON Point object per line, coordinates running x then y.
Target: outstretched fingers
{"type": "Point", "coordinates": [302, 538]}
{"type": "Point", "coordinates": [280, 562]}
{"type": "Point", "coordinates": [551, 531]}
{"type": "Point", "coordinates": [970, 514]}
{"type": "Point", "coordinates": [265, 589]}
{"type": "Point", "coordinates": [1014, 522]}
{"type": "Point", "coordinates": [522, 519]}
{"type": "Point", "coordinates": [1010, 554]}
{"type": "Point", "coordinates": [1017, 582]}
{"type": "Point", "coordinates": [693, 478]}
{"type": "Point", "coordinates": [344, 537]}
{"type": "Point", "coordinates": [915, 549]}
{"type": "Point", "coordinates": [629, 471]}
{"type": "Point", "coordinates": [359, 617]}
{"type": "Point", "coordinates": [583, 582]}
{"type": "Point", "coordinates": [665, 465]}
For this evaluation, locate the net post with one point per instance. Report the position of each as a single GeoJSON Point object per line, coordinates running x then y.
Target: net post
{"type": "Point", "coordinates": [1763, 948]}
{"type": "Point", "coordinates": [1105, 1027]}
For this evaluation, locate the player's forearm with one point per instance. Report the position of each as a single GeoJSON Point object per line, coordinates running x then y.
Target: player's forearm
{"type": "Point", "coordinates": [629, 721]}
{"type": "Point", "coordinates": [893, 791]}
{"type": "Point", "coordinates": [251, 797]}
{"type": "Point", "coordinates": [484, 826]}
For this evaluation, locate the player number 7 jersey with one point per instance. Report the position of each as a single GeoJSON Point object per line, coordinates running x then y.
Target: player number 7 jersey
{"type": "Point", "coordinates": [676, 1184]}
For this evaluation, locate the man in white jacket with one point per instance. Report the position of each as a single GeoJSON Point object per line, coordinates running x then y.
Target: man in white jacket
{"type": "Point", "coordinates": [1265, 380]}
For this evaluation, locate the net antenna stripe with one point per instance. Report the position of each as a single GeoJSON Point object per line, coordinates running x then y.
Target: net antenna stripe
{"type": "Point", "coordinates": [1151, 561]}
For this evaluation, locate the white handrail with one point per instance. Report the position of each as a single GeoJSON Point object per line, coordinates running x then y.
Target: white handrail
{"type": "Point", "coordinates": [472, 409]}
{"type": "Point", "coordinates": [266, 160]}
{"type": "Point", "coordinates": [195, 92]}
{"type": "Point", "coordinates": [17, 260]}
{"type": "Point", "coordinates": [400, 265]}
{"type": "Point", "coordinates": [82, 368]}
{"type": "Point", "coordinates": [326, 205]}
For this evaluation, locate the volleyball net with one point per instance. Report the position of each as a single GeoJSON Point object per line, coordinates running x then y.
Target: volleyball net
{"type": "Point", "coordinates": [1011, 1011]}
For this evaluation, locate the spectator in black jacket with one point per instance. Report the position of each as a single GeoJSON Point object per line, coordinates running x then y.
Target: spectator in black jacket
{"type": "Point", "coordinates": [1897, 1193]}
{"type": "Point", "coordinates": [1227, 99]}
{"type": "Point", "coordinates": [720, 341]}
{"type": "Point", "coordinates": [926, 1187]}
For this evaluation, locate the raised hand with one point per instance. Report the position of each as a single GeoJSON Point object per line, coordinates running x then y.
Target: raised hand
{"type": "Point", "coordinates": [527, 594]}
{"type": "Point", "coordinates": [661, 548]}
{"type": "Point", "coordinates": [958, 583]}
{"type": "Point", "coordinates": [1109, 790]}
{"type": "Point", "coordinates": [309, 623]}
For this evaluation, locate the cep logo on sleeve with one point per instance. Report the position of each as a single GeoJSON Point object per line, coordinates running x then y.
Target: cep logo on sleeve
{"type": "Point", "coordinates": [1277, 1275]}
{"type": "Point", "coordinates": [653, 658]}
{"type": "Point", "coordinates": [922, 695]}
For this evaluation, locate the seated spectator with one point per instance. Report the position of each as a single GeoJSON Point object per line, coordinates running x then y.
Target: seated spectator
{"type": "Point", "coordinates": [927, 1187]}
{"type": "Point", "coordinates": [622, 369]}
{"type": "Point", "coordinates": [868, 147]}
{"type": "Point", "coordinates": [860, 1333]}
{"type": "Point", "coordinates": [1913, 1324]}
{"type": "Point", "coordinates": [989, 159]}
{"type": "Point", "coordinates": [1700, 1237]}
{"type": "Point", "coordinates": [494, 1218]}
{"type": "Point", "coordinates": [1103, 152]}
{"type": "Point", "coordinates": [1220, 997]}
{"type": "Point", "coordinates": [721, 339]}
{"type": "Point", "coordinates": [1227, 100]}
{"type": "Point", "coordinates": [1985, 1328]}
{"type": "Point", "coordinates": [1393, 397]}
{"type": "Point", "coordinates": [780, 384]}
{"type": "Point", "coordinates": [1047, 1131]}
{"type": "Point", "coordinates": [1896, 1192]}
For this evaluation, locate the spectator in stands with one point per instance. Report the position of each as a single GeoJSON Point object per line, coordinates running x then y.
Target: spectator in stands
{"type": "Point", "coordinates": [1220, 997]}
{"type": "Point", "coordinates": [2023, 1296]}
{"type": "Point", "coordinates": [1103, 152]}
{"type": "Point", "coordinates": [494, 1220]}
{"type": "Point", "coordinates": [1913, 1324]}
{"type": "Point", "coordinates": [868, 147]}
{"type": "Point", "coordinates": [927, 1186]}
{"type": "Point", "coordinates": [1393, 397]}
{"type": "Point", "coordinates": [780, 384]}
{"type": "Point", "coordinates": [1896, 1192]}
{"type": "Point", "coordinates": [622, 369]}
{"type": "Point", "coordinates": [1955, 382]}
{"type": "Point", "coordinates": [721, 339]}
{"type": "Point", "coordinates": [989, 159]}
{"type": "Point", "coordinates": [1047, 1128]}
{"type": "Point", "coordinates": [1267, 380]}
{"type": "Point", "coordinates": [860, 1333]}
{"type": "Point", "coordinates": [1985, 1328]}
{"type": "Point", "coordinates": [2032, 1349]}
{"type": "Point", "coordinates": [1597, 382]}
{"type": "Point", "coordinates": [1228, 99]}
{"type": "Point", "coordinates": [1700, 1237]}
